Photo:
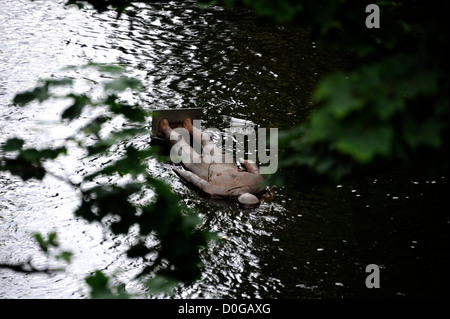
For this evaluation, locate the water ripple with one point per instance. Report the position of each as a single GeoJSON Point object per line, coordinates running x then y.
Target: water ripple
{"type": "Point", "coordinates": [220, 60]}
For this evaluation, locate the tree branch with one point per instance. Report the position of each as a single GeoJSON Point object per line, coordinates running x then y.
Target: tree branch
{"type": "Point", "coordinates": [28, 268]}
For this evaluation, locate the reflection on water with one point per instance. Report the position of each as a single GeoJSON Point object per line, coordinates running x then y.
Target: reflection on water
{"type": "Point", "coordinates": [295, 245]}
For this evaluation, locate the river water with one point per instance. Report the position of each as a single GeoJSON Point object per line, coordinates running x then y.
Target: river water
{"type": "Point", "coordinates": [296, 245]}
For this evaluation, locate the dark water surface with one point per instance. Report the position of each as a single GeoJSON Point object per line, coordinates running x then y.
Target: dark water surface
{"type": "Point", "coordinates": [296, 245]}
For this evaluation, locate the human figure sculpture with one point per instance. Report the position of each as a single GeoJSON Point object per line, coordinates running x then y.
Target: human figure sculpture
{"type": "Point", "coordinates": [214, 171]}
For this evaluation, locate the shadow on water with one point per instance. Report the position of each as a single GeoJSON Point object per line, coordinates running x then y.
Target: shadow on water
{"type": "Point", "coordinates": [295, 245]}
{"type": "Point", "coordinates": [389, 220]}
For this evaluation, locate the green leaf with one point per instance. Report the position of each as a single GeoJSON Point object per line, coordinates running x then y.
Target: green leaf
{"type": "Point", "coordinates": [101, 288]}
{"type": "Point", "coordinates": [101, 146]}
{"type": "Point", "coordinates": [131, 164]}
{"type": "Point", "coordinates": [138, 250]}
{"type": "Point", "coordinates": [122, 83]}
{"type": "Point", "coordinates": [45, 244]}
{"type": "Point", "coordinates": [40, 93]}
{"type": "Point", "coordinates": [24, 98]}
{"type": "Point", "coordinates": [13, 144]}
{"type": "Point", "coordinates": [42, 243]}
{"type": "Point", "coordinates": [95, 125]}
{"type": "Point", "coordinates": [161, 284]}
{"type": "Point", "coordinates": [52, 240]}
{"type": "Point", "coordinates": [65, 255]}
{"type": "Point", "coordinates": [126, 221]}
{"type": "Point", "coordinates": [31, 155]}
{"type": "Point", "coordinates": [85, 211]}
{"type": "Point", "coordinates": [58, 82]}
{"type": "Point", "coordinates": [110, 68]}
{"type": "Point", "coordinates": [99, 285]}
{"type": "Point", "coordinates": [364, 145]}
{"type": "Point", "coordinates": [133, 113]}
{"type": "Point", "coordinates": [35, 156]}
{"type": "Point", "coordinates": [76, 108]}
{"type": "Point", "coordinates": [52, 153]}
{"type": "Point", "coordinates": [104, 144]}
{"type": "Point", "coordinates": [23, 168]}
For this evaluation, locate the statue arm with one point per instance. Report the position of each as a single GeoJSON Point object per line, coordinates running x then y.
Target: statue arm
{"type": "Point", "coordinates": [193, 179]}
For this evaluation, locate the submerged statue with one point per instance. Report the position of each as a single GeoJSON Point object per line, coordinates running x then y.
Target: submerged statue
{"type": "Point", "coordinates": [214, 172]}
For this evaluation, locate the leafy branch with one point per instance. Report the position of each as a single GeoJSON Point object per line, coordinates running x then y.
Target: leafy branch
{"type": "Point", "coordinates": [46, 245]}
{"type": "Point", "coordinates": [28, 268]}
{"type": "Point", "coordinates": [113, 204]}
